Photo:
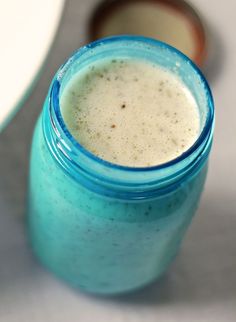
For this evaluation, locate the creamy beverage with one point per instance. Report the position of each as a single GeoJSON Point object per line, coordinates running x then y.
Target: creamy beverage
{"type": "Point", "coordinates": [134, 102]}
{"type": "Point", "coordinates": [130, 112]}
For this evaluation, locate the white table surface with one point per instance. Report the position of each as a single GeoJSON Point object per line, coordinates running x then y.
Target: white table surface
{"type": "Point", "coordinates": [201, 284]}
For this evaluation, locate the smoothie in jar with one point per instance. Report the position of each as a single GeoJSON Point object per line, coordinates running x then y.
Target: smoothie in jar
{"type": "Point", "coordinates": [118, 164]}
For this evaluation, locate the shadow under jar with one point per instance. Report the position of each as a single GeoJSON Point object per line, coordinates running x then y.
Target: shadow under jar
{"type": "Point", "coordinates": [107, 228]}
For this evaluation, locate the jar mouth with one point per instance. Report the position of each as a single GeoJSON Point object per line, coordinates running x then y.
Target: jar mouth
{"type": "Point", "coordinates": [75, 145]}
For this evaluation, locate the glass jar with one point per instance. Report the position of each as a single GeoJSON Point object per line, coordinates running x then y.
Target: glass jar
{"type": "Point", "coordinates": [103, 227]}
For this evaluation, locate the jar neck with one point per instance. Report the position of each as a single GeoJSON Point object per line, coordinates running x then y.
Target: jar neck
{"type": "Point", "coordinates": [113, 180]}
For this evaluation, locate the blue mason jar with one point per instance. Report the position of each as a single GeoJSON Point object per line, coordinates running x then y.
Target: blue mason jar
{"type": "Point", "coordinates": [103, 227]}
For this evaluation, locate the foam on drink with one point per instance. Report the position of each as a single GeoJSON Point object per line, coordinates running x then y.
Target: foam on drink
{"type": "Point", "coordinates": [130, 112]}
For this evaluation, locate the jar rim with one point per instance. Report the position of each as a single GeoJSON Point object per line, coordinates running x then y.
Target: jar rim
{"type": "Point", "coordinates": [55, 90]}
